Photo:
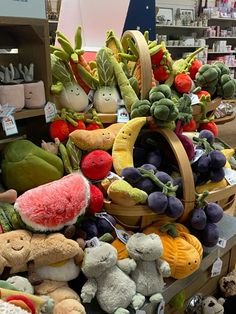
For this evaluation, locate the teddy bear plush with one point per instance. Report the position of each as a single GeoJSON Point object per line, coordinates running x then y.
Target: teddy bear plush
{"type": "Point", "coordinates": [228, 284]}
{"type": "Point", "coordinates": [211, 305]}
{"type": "Point", "coordinates": [146, 250]}
{"type": "Point", "coordinates": [108, 280]}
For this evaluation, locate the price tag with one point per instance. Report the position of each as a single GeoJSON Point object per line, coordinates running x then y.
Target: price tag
{"type": "Point", "coordinates": [93, 242]}
{"type": "Point", "coordinates": [216, 267]}
{"type": "Point", "coordinates": [122, 115]}
{"type": "Point", "coordinates": [194, 99]}
{"type": "Point", "coordinates": [230, 176]}
{"type": "Point", "coordinates": [6, 110]}
{"type": "Point", "coordinates": [9, 125]}
{"type": "Point", "coordinates": [50, 111]}
{"type": "Point", "coordinates": [222, 243]}
{"type": "Point", "coordinates": [161, 307]}
{"type": "Point", "coordinates": [197, 154]}
{"type": "Point", "coordinates": [90, 95]}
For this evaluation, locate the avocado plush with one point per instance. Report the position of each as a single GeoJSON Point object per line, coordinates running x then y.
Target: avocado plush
{"type": "Point", "coordinates": [25, 166]}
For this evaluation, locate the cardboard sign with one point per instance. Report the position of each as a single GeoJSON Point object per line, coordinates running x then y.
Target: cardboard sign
{"type": "Point", "coordinates": [23, 8]}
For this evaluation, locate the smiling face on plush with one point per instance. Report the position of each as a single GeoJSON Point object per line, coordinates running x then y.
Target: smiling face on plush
{"type": "Point", "coordinates": [144, 247]}
{"type": "Point", "coordinates": [74, 97]}
{"type": "Point", "coordinates": [15, 246]}
{"type": "Point", "coordinates": [34, 95]}
{"type": "Point", "coordinates": [98, 259]}
{"type": "Point", "coordinates": [106, 99]}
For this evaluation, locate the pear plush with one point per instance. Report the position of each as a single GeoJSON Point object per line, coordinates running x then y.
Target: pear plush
{"type": "Point", "coordinates": [25, 166]}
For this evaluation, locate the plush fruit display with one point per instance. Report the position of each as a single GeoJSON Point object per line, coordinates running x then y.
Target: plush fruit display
{"type": "Point", "coordinates": [96, 164]}
{"type": "Point", "coordinates": [95, 200]}
{"type": "Point", "coordinates": [59, 129]}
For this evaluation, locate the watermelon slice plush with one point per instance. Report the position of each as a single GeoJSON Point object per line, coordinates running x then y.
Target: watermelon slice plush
{"type": "Point", "coordinates": [52, 206]}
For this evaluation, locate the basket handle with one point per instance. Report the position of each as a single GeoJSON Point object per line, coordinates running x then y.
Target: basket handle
{"type": "Point", "coordinates": [185, 170]}
{"type": "Point", "coordinates": [144, 56]}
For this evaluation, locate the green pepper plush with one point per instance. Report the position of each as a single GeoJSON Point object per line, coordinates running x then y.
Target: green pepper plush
{"type": "Point", "coordinates": [141, 108]}
{"type": "Point", "coordinates": [25, 166]}
{"type": "Point", "coordinates": [226, 87]}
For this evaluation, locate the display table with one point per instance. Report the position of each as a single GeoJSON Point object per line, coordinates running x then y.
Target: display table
{"type": "Point", "coordinates": [201, 280]}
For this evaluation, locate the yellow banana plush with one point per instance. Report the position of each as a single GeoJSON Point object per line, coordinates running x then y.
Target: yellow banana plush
{"type": "Point", "coordinates": [122, 151]}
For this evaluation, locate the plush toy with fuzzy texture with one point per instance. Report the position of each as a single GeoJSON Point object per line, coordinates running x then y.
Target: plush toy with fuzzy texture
{"type": "Point", "coordinates": [108, 280]}
{"type": "Point", "coordinates": [211, 305]}
{"type": "Point", "coordinates": [8, 308]}
{"type": "Point", "coordinates": [228, 284]}
{"type": "Point", "coordinates": [146, 250]}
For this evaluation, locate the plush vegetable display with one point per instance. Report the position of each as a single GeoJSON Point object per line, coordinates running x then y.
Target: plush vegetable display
{"type": "Point", "coordinates": [181, 250]}
{"type": "Point", "coordinates": [226, 86]}
{"type": "Point", "coordinates": [146, 250]}
{"type": "Point", "coordinates": [25, 166]}
{"type": "Point", "coordinates": [108, 280]}
{"type": "Point", "coordinates": [183, 83]}
{"type": "Point", "coordinates": [96, 139]}
{"type": "Point", "coordinates": [70, 93]}
{"type": "Point", "coordinates": [140, 108]}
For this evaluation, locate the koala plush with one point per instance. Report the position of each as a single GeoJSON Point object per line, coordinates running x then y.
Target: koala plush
{"type": "Point", "coordinates": [146, 250]}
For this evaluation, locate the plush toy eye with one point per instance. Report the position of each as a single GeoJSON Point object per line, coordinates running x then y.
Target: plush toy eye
{"type": "Point", "coordinates": [211, 304]}
{"type": "Point", "coordinates": [103, 94]}
{"type": "Point", "coordinates": [129, 134]}
{"type": "Point", "coordinates": [123, 132]}
{"type": "Point", "coordinates": [110, 94]}
{"type": "Point", "coordinates": [71, 90]}
{"type": "Point", "coordinates": [22, 238]}
{"type": "Point", "coordinates": [8, 241]}
{"type": "Point", "coordinates": [189, 263]}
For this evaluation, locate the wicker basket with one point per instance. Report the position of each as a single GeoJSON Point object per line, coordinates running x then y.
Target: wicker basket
{"type": "Point", "coordinates": [140, 216]}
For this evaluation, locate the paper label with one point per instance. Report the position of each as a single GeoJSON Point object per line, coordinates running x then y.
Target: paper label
{"type": "Point", "coordinates": [222, 243]}
{"type": "Point", "coordinates": [230, 176]}
{"type": "Point", "coordinates": [122, 115]}
{"type": "Point", "coordinates": [9, 125]}
{"type": "Point", "coordinates": [216, 267]}
{"type": "Point", "coordinates": [50, 111]}
{"type": "Point", "coordinates": [197, 154]}
{"type": "Point", "coordinates": [194, 99]}
{"type": "Point", "coordinates": [6, 110]}
{"type": "Point", "coordinates": [93, 242]}
{"type": "Point", "coordinates": [122, 235]}
{"type": "Point", "coordinates": [161, 307]}
{"type": "Point", "coordinates": [90, 95]}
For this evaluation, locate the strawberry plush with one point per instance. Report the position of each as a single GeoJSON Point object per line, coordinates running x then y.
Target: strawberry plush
{"type": "Point", "coordinates": [183, 83]}
{"type": "Point", "coordinates": [80, 126]}
{"type": "Point", "coordinates": [194, 67]}
{"type": "Point", "coordinates": [59, 129]}
{"type": "Point", "coordinates": [92, 126]}
{"type": "Point", "coordinates": [156, 58]}
{"type": "Point", "coordinates": [96, 164]}
{"type": "Point", "coordinates": [96, 199]}
{"type": "Point", "coordinates": [161, 73]}
{"type": "Point", "coordinates": [190, 126]}
{"type": "Point", "coordinates": [211, 126]}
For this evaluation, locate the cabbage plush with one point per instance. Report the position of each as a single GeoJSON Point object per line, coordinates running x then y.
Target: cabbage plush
{"type": "Point", "coordinates": [25, 166]}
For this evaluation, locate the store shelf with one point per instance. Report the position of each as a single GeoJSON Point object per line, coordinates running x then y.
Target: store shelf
{"type": "Point", "coordinates": [28, 113]}
{"type": "Point", "coordinates": [221, 37]}
{"type": "Point", "coordinates": [181, 27]}
{"type": "Point", "coordinates": [52, 22]}
{"type": "Point", "coordinates": [222, 52]}
{"type": "Point", "coordinates": [222, 19]}
{"type": "Point", "coordinates": [182, 47]}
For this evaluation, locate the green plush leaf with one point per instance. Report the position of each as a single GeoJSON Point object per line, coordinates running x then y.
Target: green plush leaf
{"type": "Point", "coordinates": [105, 68]}
{"type": "Point", "coordinates": [61, 71]}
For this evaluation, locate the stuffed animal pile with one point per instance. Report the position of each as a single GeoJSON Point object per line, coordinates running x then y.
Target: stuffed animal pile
{"type": "Point", "coordinates": [95, 212]}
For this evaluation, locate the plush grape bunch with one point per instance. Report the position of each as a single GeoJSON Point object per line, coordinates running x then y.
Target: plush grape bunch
{"type": "Point", "coordinates": [210, 165]}
{"type": "Point", "coordinates": [159, 187]}
{"type": "Point", "coordinates": [96, 227]}
{"type": "Point", "coordinates": [203, 221]}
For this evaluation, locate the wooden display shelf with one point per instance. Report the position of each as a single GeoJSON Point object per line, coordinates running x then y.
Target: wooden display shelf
{"type": "Point", "coordinates": [211, 106]}
{"type": "Point", "coordinates": [28, 113]}
{"type": "Point", "coordinates": [225, 119]}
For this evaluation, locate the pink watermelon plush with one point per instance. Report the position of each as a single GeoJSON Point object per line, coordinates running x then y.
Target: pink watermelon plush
{"type": "Point", "coordinates": [51, 206]}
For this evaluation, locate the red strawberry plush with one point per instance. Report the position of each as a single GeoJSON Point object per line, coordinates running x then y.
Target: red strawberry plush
{"type": "Point", "coordinates": [96, 164]}
{"type": "Point", "coordinates": [80, 126]}
{"type": "Point", "coordinates": [194, 67]}
{"type": "Point", "coordinates": [191, 126]}
{"type": "Point", "coordinates": [211, 126]}
{"type": "Point", "coordinates": [92, 126]}
{"type": "Point", "coordinates": [183, 83]}
{"type": "Point", "coordinates": [96, 199]}
{"type": "Point", "coordinates": [59, 129]}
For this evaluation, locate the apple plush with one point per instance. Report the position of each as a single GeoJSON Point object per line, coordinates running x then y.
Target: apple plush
{"type": "Point", "coordinates": [96, 164]}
